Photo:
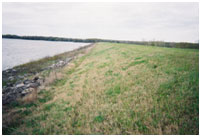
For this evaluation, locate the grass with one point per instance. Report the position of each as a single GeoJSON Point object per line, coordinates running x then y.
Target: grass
{"type": "Point", "coordinates": [117, 89]}
{"type": "Point", "coordinates": [99, 119]}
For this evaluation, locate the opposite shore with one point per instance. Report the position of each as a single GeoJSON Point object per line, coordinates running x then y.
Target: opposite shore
{"type": "Point", "coordinates": [95, 40]}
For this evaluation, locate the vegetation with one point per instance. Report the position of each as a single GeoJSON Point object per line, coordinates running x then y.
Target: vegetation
{"type": "Point", "coordinates": [116, 89]}
{"type": "Point", "coordinates": [94, 40]}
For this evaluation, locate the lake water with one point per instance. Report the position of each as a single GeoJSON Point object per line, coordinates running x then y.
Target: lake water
{"type": "Point", "coordinates": [16, 52]}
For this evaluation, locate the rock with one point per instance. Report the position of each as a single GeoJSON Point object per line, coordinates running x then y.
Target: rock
{"type": "Point", "coordinates": [8, 90]}
{"type": "Point", "coordinates": [68, 60]}
{"type": "Point", "coordinates": [10, 84]}
{"type": "Point", "coordinates": [8, 70]}
{"type": "Point", "coordinates": [11, 91]}
{"type": "Point", "coordinates": [18, 90]}
{"type": "Point", "coordinates": [20, 85]}
{"type": "Point", "coordinates": [27, 81]}
{"type": "Point", "coordinates": [61, 62]}
{"type": "Point", "coordinates": [8, 99]}
{"type": "Point", "coordinates": [33, 85]}
{"type": "Point", "coordinates": [14, 71]}
{"type": "Point", "coordinates": [26, 91]}
{"type": "Point", "coordinates": [20, 77]}
{"type": "Point", "coordinates": [11, 78]}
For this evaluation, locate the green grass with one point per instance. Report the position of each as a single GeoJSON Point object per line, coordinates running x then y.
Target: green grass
{"type": "Point", "coordinates": [117, 89]}
{"type": "Point", "coordinates": [99, 119]}
{"type": "Point", "coordinates": [113, 91]}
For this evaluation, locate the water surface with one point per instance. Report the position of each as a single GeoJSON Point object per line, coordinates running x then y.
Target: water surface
{"type": "Point", "coordinates": [16, 52]}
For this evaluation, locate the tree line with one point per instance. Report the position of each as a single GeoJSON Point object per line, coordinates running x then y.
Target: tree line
{"type": "Point", "coordinates": [94, 40]}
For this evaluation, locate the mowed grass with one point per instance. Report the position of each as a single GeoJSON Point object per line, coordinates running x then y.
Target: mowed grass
{"type": "Point", "coordinates": [118, 89]}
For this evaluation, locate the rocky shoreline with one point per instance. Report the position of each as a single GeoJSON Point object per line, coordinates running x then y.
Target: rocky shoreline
{"type": "Point", "coordinates": [19, 85]}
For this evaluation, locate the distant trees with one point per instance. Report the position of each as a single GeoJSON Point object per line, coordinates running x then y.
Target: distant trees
{"type": "Point", "coordinates": [94, 40]}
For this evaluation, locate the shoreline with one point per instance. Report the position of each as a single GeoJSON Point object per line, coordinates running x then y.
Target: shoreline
{"type": "Point", "coordinates": [20, 80]}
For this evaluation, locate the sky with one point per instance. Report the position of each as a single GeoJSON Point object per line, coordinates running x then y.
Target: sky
{"type": "Point", "coordinates": [173, 22]}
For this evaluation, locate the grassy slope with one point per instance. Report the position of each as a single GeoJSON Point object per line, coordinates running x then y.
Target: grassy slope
{"type": "Point", "coordinates": [118, 89]}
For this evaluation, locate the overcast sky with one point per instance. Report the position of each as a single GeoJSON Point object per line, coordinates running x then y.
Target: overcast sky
{"type": "Point", "coordinates": [123, 21]}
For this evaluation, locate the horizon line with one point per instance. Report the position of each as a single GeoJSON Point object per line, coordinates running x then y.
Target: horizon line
{"type": "Point", "coordinates": [100, 39]}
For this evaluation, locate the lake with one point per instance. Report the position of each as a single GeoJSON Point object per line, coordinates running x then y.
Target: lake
{"type": "Point", "coordinates": [16, 52]}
